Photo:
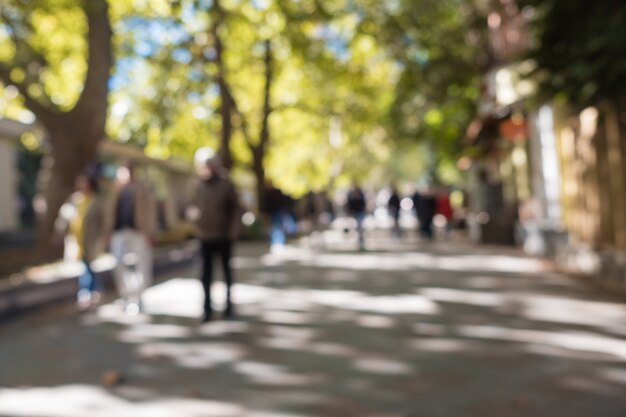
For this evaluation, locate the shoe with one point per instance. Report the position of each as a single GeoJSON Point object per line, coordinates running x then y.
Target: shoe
{"type": "Point", "coordinates": [206, 317]}
{"type": "Point", "coordinates": [229, 313]}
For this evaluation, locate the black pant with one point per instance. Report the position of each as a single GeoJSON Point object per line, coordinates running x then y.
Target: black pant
{"type": "Point", "coordinates": [209, 249]}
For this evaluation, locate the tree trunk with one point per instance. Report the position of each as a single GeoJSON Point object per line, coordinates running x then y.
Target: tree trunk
{"type": "Point", "coordinates": [258, 151]}
{"type": "Point", "coordinates": [75, 147]}
{"type": "Point", "coordinates": [227, 126]}
{"type": "Point", "coordinates": [75, 135]}
{"type": "Point", "coordinates": [226, 105]}
{"type": "Point", "coordinates": [617, 207]}
{"type": "Point", "coordinates": [259, 174]}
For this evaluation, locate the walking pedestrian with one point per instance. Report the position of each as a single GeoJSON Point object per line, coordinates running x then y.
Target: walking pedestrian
{"type": "Point", "coordinates": [425, 207]}
{"type": "Point", "coordinates": [444, 208]}
{"type": "Point", "coordinates": [356, 206]}
{"type": "Point", "coordinates": [83, 217]}
{"type": "Point", "coordinates": [276, 206]}
{"type": "Point", "coordinates": [133, 232]}
{"type": "Point", "coordinates": [393, 207]}
{"type": "Point", "coordinates": [216, 212]}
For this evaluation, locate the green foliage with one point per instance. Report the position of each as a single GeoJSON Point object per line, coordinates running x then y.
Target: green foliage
{"type": "Point", "coordinates": [44, 42]}
{"type": "Point", "coordinates": [398, 77]}
{"type": "Point", "coordinates": [579, 48]}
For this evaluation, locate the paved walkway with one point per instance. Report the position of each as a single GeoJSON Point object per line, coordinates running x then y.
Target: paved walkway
{"type": "Point", "coordinates": [403, 329]}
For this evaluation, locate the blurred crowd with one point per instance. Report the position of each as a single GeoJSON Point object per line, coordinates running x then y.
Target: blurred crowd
{"type": "Point", "coordinates": [125, 221]}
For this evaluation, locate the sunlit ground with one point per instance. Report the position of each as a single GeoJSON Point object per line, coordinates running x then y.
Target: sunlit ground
{"type": "Point", "coordinates": [402, 329]}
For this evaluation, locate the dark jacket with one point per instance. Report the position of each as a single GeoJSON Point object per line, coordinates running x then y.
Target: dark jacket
{"type": "Point", "coordinates": [356, 201]}
{"type": "Point", "coordinates": [425, 206]}
{"type": "Point", "coordinates": [275, 201]}
{"type": "Point", "coordinates": [219, 208]}
{"type": "Point", "coordinates": [393, 205]}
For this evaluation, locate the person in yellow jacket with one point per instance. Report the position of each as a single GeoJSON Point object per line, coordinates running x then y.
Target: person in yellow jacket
{"type": "Point", "coordinates": [83, 217]}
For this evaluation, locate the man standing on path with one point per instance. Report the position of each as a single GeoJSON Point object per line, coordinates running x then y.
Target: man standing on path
{"type": "Point", "coordinates": [134, 226]}
{"type": "Point", "coordinates": [216, 212]}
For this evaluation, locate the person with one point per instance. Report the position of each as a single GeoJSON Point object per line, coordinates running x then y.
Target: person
{"type": "Point", "coordinates": [444, 208]}
{"type": "Point", "coordinates": [83, 217]}
{"type": "Point", "coordinates": [216, 212]}
{"type": "Point", "coordinates": [393, 207]}
{"type": "Point", "coordinates": [277, 208]}
{"type": "Point", "coordinates": [425, 207]}
{"type": "Point", "coordinates": [133, 224]}
{"type": "Point", "coordinates": [312, 211]}
{"type": "Point", "coordinates": [356, 206]}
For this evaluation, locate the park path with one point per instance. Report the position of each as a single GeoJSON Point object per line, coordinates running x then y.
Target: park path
{"type": "Point", "coordinates": [448, 329]}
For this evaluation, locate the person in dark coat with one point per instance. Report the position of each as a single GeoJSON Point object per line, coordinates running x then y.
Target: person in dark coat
{"type": "Point", "coordinates": [425, 206]}
{"type": "Point", "coordinates": [356, 206]}
{"type": "Point", "coordinates": [393, 207]}
{"type": "Point", "coordinates": [217, 214]}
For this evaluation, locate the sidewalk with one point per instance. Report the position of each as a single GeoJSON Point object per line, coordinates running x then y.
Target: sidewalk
{"type": "Point", "coordinates": [404, 329]}
{"type": "Point", "coordinates": [57, 282]}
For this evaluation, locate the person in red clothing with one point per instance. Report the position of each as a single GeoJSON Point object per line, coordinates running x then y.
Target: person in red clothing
{"type": "Point", "coordinates": [444, 208]}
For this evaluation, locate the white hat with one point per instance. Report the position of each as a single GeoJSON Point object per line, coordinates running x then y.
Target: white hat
{"type": "Point", "coordinates": [203, 156]}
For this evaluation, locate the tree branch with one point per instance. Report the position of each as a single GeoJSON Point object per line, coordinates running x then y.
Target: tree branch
{"type": "Point", "coordinates": [25, 57]}
{"type": "Point", "coordinates": [264, 135]}
{"type": "Point", "coordinates": [228, 99]}
{"type": "Point", "coordinates": [99, 61]}
{"type": "Point", "coordinates": [43, 113]}
{"type": "Point", "coordinates": [243, 121]}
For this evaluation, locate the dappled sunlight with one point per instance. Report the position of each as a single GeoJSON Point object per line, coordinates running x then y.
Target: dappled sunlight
{"type": "Point", "coordinates": [445, 345]}
{"type": "Point", "coordinates": [182, 297]}
{"type": "Point", "coordinates": [316, 328]}
{"type": "Point", "coordinates": [283, 343]}
{"type": "Point", "coordinates": [613, 375]}
{"type": "Point", "coordinates": [495, 263]}
{"type": "Point", "coordinates": [486, 299]}
{"type": "Point", "coordinates": [579, 312]}
{"type": "Point", "coordinates": [534, 306]}
{"type": "Point", "coordinates": [570, 340]}
{"type": "Point", "coordinates": [145, 332]}
{"type": "Point", "coordinates": [292, 332]}
{"type": "Point", "coordinates": [222, 328]}
{"type": "Point", "coordinates": [386, 304]}
{"type": "Point", "coordinates": [331, 349]}
{"type": "Point", "coordinates": [286, 317]}
{"type": "Point", "coordinates": [93, 401]}
{"type": "Point", "coordinates": [383, 366]}
{"type": "Point", "coordinates": [271, 374]}
{"type": "Point", "coordinates": [429, 329]}
{"type": "Point", "coordinates": [399, 260]}
{"type": "Point", "coordinates": [375, 322]}
{"type": "Point", "coordinates": [483, 282]}
{"type": "Point", "coordinates": [287, 338]}
{"type": "Point", "coordinates": [115, 313]}
{"type": "Point", "coordinates": [179, 297]}
{"type": "Point", "coordinates": [193, 355]}
{"type": "Point", "coordinates": [587, 384]}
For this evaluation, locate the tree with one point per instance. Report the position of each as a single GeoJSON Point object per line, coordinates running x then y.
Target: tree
{"type": "Point", "coordinates": [579, 48]}
{"type": "Point", "coordinates": [267, 78]}
{"type": "Point", "coordinates": [46, 46]}
{"type": "Point", "coordinates": [437, 45]}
